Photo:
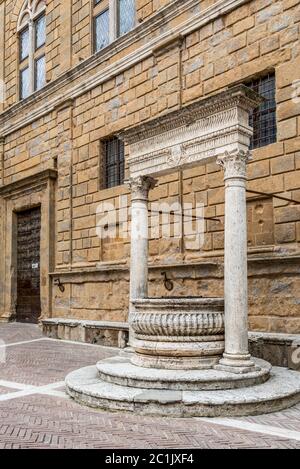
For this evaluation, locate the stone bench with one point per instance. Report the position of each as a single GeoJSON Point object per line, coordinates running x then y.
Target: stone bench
{"type": "Point", "coordinates": [278, 349]}
{"type": "Point", "coordinates": [105, 333]}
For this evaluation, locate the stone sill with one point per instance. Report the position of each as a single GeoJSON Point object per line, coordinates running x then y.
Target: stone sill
{"type": "Point", "coordinates": [92, 269]}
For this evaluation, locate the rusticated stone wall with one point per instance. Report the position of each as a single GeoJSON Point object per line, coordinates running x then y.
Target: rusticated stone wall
{"type": "Point", "coordinates": [196, 50]}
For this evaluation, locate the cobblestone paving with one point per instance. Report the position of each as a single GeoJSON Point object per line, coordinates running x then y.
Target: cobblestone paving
{"type": "Point", "coordinates": [36, 413]}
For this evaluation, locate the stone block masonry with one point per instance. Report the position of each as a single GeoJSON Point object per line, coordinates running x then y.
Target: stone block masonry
{"type": "Point", "coordinates": [179, 52]}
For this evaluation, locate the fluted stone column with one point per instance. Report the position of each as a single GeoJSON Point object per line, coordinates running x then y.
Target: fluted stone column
{"type": "Point", "coordinates": [140, 188]}
{"type": "Point", "coordinates": [236, 357]}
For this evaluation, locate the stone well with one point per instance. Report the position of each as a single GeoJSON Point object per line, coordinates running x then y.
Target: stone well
{"type": "Point", "coordinates": [177, 333]}
{"type": "Point", "coordinates": [190, 356]}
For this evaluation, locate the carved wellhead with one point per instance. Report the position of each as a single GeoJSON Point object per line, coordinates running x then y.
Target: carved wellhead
{"type": "Point", "coordinates": [178, 333]}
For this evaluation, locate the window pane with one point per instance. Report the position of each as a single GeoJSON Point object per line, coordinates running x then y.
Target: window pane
{"type": "Point", "coordinates": [126, 16]}
{"type": "Point", "coordinates": [40, 32]}
{"type": "Point", "coordinates": [24, 44]}
{"type": "Point", "coordinates": [40, 73]}
{"type": "Point", "coordinates": [263, 119]}
{"type": "Point", "coordinates": [24, 83]}
{"type": "Point", "coordinates": [102, 30]}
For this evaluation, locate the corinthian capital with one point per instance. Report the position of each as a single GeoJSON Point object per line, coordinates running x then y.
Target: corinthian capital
{"type": "Point", "coordinates": [234, 163]}
{"type": "Point", "coordinates": [140, 186]}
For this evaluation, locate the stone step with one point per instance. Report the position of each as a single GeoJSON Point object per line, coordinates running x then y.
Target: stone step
{"type": "Point", "coordinates": [120, 370]}
{"type": "Point", "coordinates": [280, 392]}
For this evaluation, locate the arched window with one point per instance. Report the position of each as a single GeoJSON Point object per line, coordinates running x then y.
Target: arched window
{"type": "Point", "coordinates": [32, 40]}
{"type": "Point", "coordinates": [112, 19]}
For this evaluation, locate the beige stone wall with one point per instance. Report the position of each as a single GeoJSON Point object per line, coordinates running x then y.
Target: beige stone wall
{"type": "Point", "coordinates": [257, 37]}
{"type": "Point", "coordinates": [81, 29]}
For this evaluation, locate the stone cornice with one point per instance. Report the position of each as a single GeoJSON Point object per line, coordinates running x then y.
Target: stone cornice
{"type": "Point", "coordinates": [29, 115]}
{"type": "Point", "coordinates": [169, 44]}
{"type": "Point", "coordinates": [241, 94]}
{"type": "Point", "coordinates": [32, 181]}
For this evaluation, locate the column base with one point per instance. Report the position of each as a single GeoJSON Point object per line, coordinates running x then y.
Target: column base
{"type": "Point", "coordinates": [238, 364]}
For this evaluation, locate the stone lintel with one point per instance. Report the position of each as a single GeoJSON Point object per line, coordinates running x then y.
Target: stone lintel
{"type": "Point", "coordinates": [34, 180]}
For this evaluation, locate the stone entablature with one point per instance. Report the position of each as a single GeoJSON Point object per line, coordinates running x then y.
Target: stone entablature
{"type": "Point", "coordinates": [197, 134]}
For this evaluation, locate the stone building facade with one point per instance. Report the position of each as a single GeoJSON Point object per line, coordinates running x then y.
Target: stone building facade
{"type": "Point", "coordinates": [72, 82]}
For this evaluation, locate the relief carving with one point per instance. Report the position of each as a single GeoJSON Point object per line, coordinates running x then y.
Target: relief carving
{"type": "Point", "coordinates": [140, 186]}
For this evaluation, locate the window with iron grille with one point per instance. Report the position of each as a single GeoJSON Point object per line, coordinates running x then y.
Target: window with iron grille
{"type": "Point", "coordinates": [263, 119]}
{"type": "Point", "coordinates": [113, 162]}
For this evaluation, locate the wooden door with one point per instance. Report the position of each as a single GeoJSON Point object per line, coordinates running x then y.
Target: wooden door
{"type": "Point", "coordinates": [28, 265]}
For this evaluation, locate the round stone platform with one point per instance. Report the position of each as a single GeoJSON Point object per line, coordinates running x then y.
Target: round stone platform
{"type": "Point", "coordinates": [120, 370]}
{"type": "Point", "coordinates": [281, 391]}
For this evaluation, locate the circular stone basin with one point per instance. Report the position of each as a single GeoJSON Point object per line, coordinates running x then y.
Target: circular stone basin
{"type": "Point", "coordinates": [177, 333]}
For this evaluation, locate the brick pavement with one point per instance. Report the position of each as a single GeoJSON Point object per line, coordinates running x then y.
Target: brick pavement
{"type": "Point", "coordinates": [36, 413]}
{"type": "Point", "coordinates": [12, 333]}
{"type": "Point", "coordinates": [4, 390]}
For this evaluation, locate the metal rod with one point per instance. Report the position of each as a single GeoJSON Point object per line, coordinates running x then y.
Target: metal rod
{"type": "Point", "coordinates": [182, 215]}
{"type": "Point", "coordinates": [280, 197]}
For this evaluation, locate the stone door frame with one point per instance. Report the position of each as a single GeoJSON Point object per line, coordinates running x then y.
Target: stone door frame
{"type": "Point", "coordinates": [34, 191]}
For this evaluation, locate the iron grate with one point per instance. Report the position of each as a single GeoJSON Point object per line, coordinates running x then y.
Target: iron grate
{"type": "Point", "coordinates": [263, 119]}
{"type": "Point", "coordinates": [114, 162]}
